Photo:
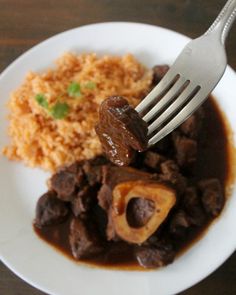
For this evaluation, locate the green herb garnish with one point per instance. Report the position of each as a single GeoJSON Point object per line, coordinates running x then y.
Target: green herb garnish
{"type": "Point", "coordinates": [41, 100]}
{"type": "Point", "coordinates": [90, 85]}
{"type": "Point", "coordinates": [74, 89]}
{"type": "Point", "coordinates": [59, 110]}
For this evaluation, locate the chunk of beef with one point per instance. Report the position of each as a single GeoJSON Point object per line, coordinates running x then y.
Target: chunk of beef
{"type": "Point", "coordinates": [168, 167]}
{"type": "Point", "coordinates": [105, 197]}
{"type": "Point", "coordinates": [83, 200]}
{"type": "Point", "coordinates": [77, 170]}
{"type": "Point", "coordinates": [159, 72]}
{"type": "Point", "coordinates": [92, 170]}
{"type": "Point", "coordinates": [77, 176]}
{"type": "Point", "coordinates": [171, 174]}
{"type": "Point", "coordinates": [179, 224]}
{"type": "Point", "coordinates": [83, 241]}
{"type": "Point", "coordinates": [73, 168]}
{"type": "Point", "coordinates": [192, 204]}
{"type": "Point", "coordinates": [50, 210]}
{"type": "Point", "coordinates": [112, 175]}
{"type": "Point", "coordinates": [139, 211]}
{"type": "Point", "coordinates": [186, 150]}
{"type": "Point", "coordinates": [153, 160]}
{"type": "Point", "coordinates": [64, 184]}
{"type": "Point", "coordinates": [191, 127]}
{"type": "Point", "coordinates": [212, 196]}
{"type": "Point", "coordinates": [87, 171]}
{"type": "Point", "coordinates": [121, 130]}
{"type": "Point", "coordinates": [151, 257]}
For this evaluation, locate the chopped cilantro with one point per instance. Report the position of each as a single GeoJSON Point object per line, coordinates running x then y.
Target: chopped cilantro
{"type": "Point", "coordinates": [41, 100]}
{"type": "Point", "coordinates": [90, 85]}
{"type": "Point", "coordinates": [74, 89]}
{"type": "Point", "coordinates": [59, 110]}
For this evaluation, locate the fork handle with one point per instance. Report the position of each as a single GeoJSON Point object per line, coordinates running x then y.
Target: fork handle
{"type": "Point", "coordinates": [224, 21]}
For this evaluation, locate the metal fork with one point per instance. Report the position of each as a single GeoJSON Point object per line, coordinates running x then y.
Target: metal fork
{"type": "Point", "coordinates": [190, 80]}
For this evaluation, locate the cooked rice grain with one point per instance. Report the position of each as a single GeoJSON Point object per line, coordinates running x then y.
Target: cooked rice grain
{"type": "Point", "coordinates": [41, 141]}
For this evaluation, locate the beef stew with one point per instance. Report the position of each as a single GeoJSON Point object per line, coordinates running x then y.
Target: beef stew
{"type": "Point", "coordinates": [192, 163]}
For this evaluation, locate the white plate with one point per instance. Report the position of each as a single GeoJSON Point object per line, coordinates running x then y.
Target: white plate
{"type": "Point", "coordinates": [38, 263]}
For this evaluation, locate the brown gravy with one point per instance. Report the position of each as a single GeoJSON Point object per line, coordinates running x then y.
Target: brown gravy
{"type": "Point", "coordinates": [213, 162]}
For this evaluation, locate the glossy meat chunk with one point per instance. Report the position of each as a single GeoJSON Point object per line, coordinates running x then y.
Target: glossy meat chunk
{"type": "Point", "coordinates": [179, 224]}
{"type": "Point", "coordinates": [121, 131]}
{"type": "Point", "coordinates": [155, 256]}
{"type": "Point", "coordinates": [82, 240]}
{"type": "Point", "coordinates": [192, 204]}
{"type": "Point", "coordinates": [82, 202]}
{"type": "Point", "coordinates": [212, 196]}
{"type": "Point", "coordinates": [50, 210]}
{"type": "Point", "coordinates": [192, 126]}
{"type": "Point", "coordinates": [186, 150]}
{"type": "Point", "coordinates": [171, 174]}
{"type": "Point", "coordinates": [92, 170]}
{"type": "Point", "coordinates": [153, 160]}
{"type": "Point", "coordinates": [64, 184]}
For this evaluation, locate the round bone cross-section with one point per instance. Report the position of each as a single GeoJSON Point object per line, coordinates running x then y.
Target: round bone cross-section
{"type": "Point", "coordinates": [163, 197]}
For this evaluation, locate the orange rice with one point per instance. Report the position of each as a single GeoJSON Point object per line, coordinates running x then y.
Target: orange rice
{"type": "Point", "coordinates": [38, 139]}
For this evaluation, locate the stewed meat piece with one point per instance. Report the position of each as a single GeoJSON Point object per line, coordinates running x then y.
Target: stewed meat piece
{"type": "Point", "coordinates": [189, 127]}
{"type": "Point", "coordinates": [121, 130]}
{"type": "Point", "coordinates": [82, 202]}
{"type": "Point", "coordinates": [153, 160]}
{"type": "Point", "coordinates": [212, 196]}
{"type": "Point", "coordinates": [192, 126]}
{"type": "Point", "coordinates": [71, 179]}
{"type": "Point", "coordinates": [92, 170]}
{"type": "Point", "coordinates": [77, 171]}
{"type": "Point", "coordinates": [186, 150]}
{"type": "Point", "coordinates": [64, 184]}
{"type": "Point", "coordinates": [171, 174]}
{"type": "Point", "coordinates": [50, 210]}
{"type": "Point", "coordinates": [168, 167]}
{"type": "Point", "coordinates": [155, 256]}
{"type": "Point", "coordinates": [84, 242]}
{"type": "Point", "coordinates": [179, 224]}
{"type": "Point", "coordinates": [191, 202]}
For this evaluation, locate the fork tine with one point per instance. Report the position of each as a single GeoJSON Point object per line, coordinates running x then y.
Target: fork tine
{"type": "Point", "coordinates": [156, 91]}
{"type": "Point", "coordinates": [174, 90]}
{"type": "Point", "coordinates": [192, 105]}
{"type": "Point", "coordinates": [183, 97]}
